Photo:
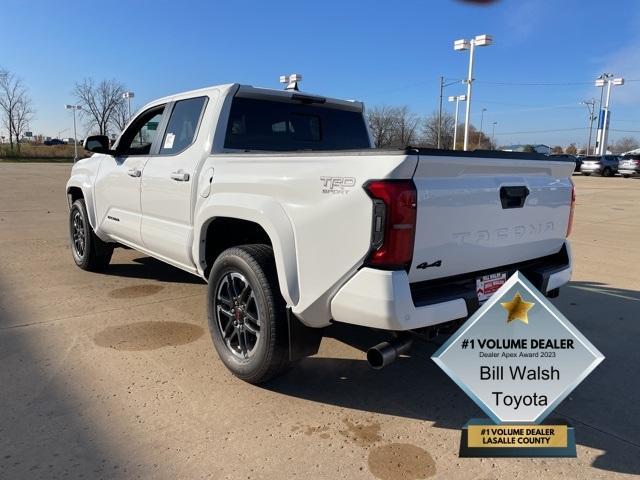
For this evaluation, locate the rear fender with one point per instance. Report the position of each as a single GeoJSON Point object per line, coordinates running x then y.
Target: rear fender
{"type": "Point", "coordinates": [270, 216]}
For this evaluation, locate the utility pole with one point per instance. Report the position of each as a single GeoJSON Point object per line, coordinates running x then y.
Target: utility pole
{"type": "Point", "coordinates": [443, 85]}
{"type": "Point", "coordinates": [591, 106]}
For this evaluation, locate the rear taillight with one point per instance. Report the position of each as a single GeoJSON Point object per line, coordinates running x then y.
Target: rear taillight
{"type": "Point", "coordinates": [573, 206]}
{"type": "Point", "coordinates": [394, 223]}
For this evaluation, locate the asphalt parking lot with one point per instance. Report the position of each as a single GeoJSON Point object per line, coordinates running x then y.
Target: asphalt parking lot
{"type": "Point", "coordinates": [114, 375]}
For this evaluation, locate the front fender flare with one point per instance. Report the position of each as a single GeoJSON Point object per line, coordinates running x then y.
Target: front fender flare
{"type": "Point", "coordinates": [267, 213]}
{"type": "Point", "coordinates": [83, 183]}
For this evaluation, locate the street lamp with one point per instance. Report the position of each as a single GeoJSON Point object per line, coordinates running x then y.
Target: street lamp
{"type": "Point", "coordinates": [457, 99]}
{"type": "Point", "coordinates": [478, 41]}
{"type": "Point", "coordinates": [75, 135]}
{"type": "Point", "coordinates": [481, 122]}
{"type": "Point", "coordinates": [604, 119]}
{"type": "Point", "coordinates": [493, 136]}
{"type": "Point", "coordinates": [128, 96]}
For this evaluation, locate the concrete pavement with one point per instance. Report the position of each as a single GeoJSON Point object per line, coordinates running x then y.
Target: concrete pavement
{"type": "Point", "coordinates": [114, 375]}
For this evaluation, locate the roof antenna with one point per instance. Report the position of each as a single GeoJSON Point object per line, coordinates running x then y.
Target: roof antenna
{"type": "Point", "coordinates": [291, 81]}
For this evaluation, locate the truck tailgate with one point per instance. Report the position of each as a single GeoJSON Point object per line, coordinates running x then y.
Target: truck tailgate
{"type": "Point", "coordinates": [476, 213]}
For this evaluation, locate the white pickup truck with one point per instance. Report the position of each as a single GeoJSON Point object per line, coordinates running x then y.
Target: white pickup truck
{"type": "Point", "coordinates": [277, 199]}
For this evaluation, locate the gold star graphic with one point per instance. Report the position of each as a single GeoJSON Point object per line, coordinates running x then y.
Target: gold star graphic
{"type": "Point", "coordinates": [517, 309]}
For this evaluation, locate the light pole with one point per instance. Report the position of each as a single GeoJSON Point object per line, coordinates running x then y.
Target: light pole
{"type": "Point", "coordinates": [480, 41]}
{"type": "Point", "coordinates": [442, 87]}
{"type": "Point", "coordinates": [604, 112]}
{"type": "Point", "coordinates": [75, 134]}
{"type": "Point", "coordinates": [128, 96]}
{"type": "Point", "coordinates": [457, 99]}
{"type": "Point", "coordinates": [481, 122]}
{"type": "Point", "coordinates": [591, 106]}
{"type": "Point", "coordinates": [493, 136]}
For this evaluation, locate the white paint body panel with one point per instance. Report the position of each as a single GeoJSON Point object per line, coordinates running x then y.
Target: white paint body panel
{"type": "Point", "coordinates": [461, 222]}
{"type": "Point", "coordinates": [321, 236]}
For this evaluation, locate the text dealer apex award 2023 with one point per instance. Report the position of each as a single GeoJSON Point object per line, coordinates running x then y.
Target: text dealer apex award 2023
{"type": "Point", "coordinates": [517, 357]}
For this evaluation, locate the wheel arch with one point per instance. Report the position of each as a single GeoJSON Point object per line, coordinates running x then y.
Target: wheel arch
{"type": "Point", "coordinates": [229, 220]}
{"type": "Point", "coordinates": [76, 189]}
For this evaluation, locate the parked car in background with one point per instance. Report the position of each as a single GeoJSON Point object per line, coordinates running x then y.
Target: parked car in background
{"type": "Point", "coordinates": [568, 158]}
{"type": "Point", "coordinates": [579, 159]}
{"type": "Point", "coordinates": [54, 141]}
{"type": "Point", "coordinates": [605, 165]}
{"type": "Point", "coordinates": [629, 165]}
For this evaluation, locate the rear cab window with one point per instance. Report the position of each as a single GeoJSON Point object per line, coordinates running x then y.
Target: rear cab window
{"type": "Point", "coordinates": [274, 125]}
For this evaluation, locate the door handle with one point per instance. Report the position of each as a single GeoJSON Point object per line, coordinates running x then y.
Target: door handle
{"type": "Point", "coordinates": [180, 176]}
{"type": "Point", "coordinates": [134, 172]}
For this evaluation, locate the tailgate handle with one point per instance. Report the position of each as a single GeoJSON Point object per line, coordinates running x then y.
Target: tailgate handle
{"type": "Point", "coordinates": [513, 197]}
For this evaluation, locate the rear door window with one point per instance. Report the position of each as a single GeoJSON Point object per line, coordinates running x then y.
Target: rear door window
{"type": "Point", "coordinates": [182, 126]}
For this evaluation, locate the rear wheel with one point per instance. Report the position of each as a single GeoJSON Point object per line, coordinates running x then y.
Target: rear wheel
{"type": "Point", "coordinates": [625, 176]}
{"type": "Point", "coordinates": [89, 252]}
{"type": "Point", "coordinates": [607, 172]}
{"type": "Point", "coordinates": [247, 314]}
{"type": "Point", "coordinates": [586, 174]}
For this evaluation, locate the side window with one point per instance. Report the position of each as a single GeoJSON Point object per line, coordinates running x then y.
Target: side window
{"type": "Point", "coordinates": [139, 137]}
{"type": "Point", "coordinates": [183, 125]}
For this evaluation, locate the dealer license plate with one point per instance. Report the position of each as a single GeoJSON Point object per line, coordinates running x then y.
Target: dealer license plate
{"type": "Point", "coordinates": [487, 285]}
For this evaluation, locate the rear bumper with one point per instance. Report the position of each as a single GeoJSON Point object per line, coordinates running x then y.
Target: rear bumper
{"type": "Point", "coordinates": [386, 300]}
{"type": "Point", "coordinates": [632, 172]}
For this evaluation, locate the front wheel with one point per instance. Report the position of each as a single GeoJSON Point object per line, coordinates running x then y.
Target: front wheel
{"type": "Point", "coordinates": [247, 314]}
{"type": "Point", "coordinates": [89, 252]}
{"type": "Point", "coordinates": [625, 176]}
{"type": "Point", "coordinates": [607, 172]}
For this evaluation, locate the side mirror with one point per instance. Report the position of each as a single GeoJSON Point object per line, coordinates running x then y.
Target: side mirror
{"type": "Point", "coordinates": [97, 144]}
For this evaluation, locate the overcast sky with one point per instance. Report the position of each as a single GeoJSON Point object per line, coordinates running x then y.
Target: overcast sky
{"type": "Point", "coordinates": [380, 52]}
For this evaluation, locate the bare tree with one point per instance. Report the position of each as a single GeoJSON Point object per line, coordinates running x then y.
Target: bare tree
{"type": "Point", "coordinates": [557, 150]}
{"type": "Point", "coordinates": [15, 105]}
{"type": "Point", "coordinates": [430, 131]}
{"type": "Point", "coordinates": [22, 115]}
{"type": "Point", "coordinates": [120, 116]}
{"type": "Point", "coordinates": [625, 144]}
{"type": "Point", "coordinates": [99, 102]}
{"type": "Point", "coordinates": [405, 127]}
{"type": "Point", "coordinates": [571, 149]}
{"type": "Point", "coordinates": [381, 120]}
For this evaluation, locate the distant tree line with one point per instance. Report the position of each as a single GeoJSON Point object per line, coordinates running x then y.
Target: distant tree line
{"type": "Point", "coordinates": [398, 126]}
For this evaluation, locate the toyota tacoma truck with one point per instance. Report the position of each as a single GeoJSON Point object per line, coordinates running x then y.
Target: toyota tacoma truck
{"type": "Point", "coordinates": [278, 200]}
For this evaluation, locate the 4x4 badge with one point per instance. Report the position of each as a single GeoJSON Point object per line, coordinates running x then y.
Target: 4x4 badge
{"type": "Point", "coordinates": [423, 265]}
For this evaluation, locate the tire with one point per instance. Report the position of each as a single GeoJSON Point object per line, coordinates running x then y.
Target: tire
{"type": "Point", "coordinates": [586, 174]}
{"type": "Point", "coordinates": [625, 176]}
{"type": "Point", "coordinates": [247, 275]}
{"type": "Point", "coordinates": [607, 172]}
{"type": "Point", "coordinates": [88, 251]}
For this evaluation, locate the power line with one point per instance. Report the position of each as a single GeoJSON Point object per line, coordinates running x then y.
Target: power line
{"type": "Point", "coordinates": [543, 131]}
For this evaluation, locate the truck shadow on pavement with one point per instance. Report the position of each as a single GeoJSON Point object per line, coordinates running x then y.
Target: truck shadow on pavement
{"type": "Point", "coordinates": [46, 430]}
{"type": "Point", "coordinates": [605, 408]}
